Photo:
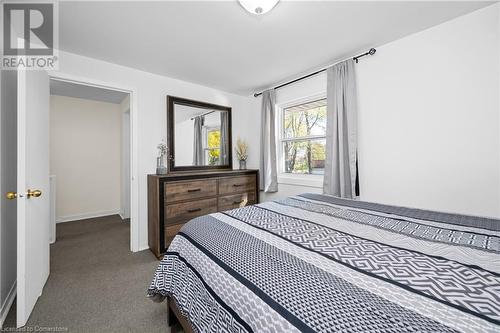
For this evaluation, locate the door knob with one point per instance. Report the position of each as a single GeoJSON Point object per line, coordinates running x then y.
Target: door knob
{"type": "Point", "coordinates": [11, 195]}
{"type": "Point", "coordinates": [33, 193]}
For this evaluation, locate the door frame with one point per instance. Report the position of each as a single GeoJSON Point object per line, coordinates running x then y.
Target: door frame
{"type": "Point", "coordinates": [134, 179]}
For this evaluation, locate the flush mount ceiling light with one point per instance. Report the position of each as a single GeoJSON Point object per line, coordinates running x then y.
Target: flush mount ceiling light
{"type": "Point", "coordinates": [258, 7]}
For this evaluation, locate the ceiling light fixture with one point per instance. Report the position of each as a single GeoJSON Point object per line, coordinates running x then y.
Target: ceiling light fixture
{"type": "Point", "coordinates": [258, 7]}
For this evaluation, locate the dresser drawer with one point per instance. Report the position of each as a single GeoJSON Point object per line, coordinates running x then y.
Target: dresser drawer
{"type": "Point", "coordinates": [228, 202]}
{"type": "Point", "coordinates": [170, 232]}
{"type": "Point", "coordinates": [183, 212]}
{"type": "Point", "coordinates": [230, 185]}
{"type": "Point", "coordinates": [188, 190]}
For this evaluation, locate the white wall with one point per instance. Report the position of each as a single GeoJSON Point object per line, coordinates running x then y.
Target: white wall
{"type": "Point", "coordinates": [8, 182]}
{"type": "Point", "coordinates": [150, 99]}
{"type": "Point", "coordinates": [85, 156]}
{"type": "Point", "coordinates": [428, 118]}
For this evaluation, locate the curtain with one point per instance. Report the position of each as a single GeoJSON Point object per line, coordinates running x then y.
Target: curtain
{"type": "Point", "coordinates": [341, 127]}
{"type": "Point", "coordinates": [198, 153]}
{"type": "Point", "coordinates": [268, 167]}
{"type": "Point", "coordinates": [224, 123]}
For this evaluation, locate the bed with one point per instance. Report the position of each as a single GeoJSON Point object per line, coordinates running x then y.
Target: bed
{"type": "Point", "coordinates": [317, 263]}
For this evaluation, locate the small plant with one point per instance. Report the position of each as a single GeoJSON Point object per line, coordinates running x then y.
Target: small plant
{"type": "Point", "coordinates": [213, 159]}
{"type": "Point", "coordinates": [241, 150]}
{"type": "Point", "coordinates": [162, 149]}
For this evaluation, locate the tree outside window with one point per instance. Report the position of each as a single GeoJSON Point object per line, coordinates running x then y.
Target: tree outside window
{"type": "Point", "coordinates": [303, 138]}
{"type": "Point", "coordinates": [213, 146]}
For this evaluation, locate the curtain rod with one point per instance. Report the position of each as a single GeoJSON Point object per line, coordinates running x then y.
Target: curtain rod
{"type": "Point", "coordinates": [203, 114]}
{"type": "Point", "coordinates": [370, 52]}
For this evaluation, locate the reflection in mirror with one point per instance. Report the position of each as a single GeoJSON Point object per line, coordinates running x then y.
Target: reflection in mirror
{"type": "Point", "coordinates": [201, 136]}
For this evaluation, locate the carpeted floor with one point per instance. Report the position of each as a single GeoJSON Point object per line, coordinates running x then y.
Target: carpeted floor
{"type": "Point", "coordinates": [96, 284]}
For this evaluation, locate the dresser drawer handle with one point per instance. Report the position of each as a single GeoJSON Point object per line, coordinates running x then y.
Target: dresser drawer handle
{"type": "Point", "coordinates": [238, 185]}
{"type": "Point", "coordinates": [238, 202]}
{"type": "Point", "coordinates": [194, 210]}
{"type": "Point", "coordinates": [194, 190]}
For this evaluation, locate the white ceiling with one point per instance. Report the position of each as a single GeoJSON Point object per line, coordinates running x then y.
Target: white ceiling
{"type": "Point", "coordinates": [69, 89]}
{"type": "Point", "coordinates": [218, 44]}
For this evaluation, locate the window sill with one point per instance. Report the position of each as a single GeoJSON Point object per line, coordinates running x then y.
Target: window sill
{"type": "Point", "coordinates": [301, 180]}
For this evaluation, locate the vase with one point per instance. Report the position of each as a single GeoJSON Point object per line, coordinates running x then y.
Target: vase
{"type": "Point", "coordinates": [160, 166]}
{"type": "Point", "coordinates": [243, 164]}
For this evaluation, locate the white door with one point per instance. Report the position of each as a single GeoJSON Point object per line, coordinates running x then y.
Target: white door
{"type": "Point", "coordinates": [33, 206]}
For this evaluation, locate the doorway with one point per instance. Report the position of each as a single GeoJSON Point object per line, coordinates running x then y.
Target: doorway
{"type": "Point", "coordinates": [131, 168]}
{"type": "Point", "coordinates": [89, 152]}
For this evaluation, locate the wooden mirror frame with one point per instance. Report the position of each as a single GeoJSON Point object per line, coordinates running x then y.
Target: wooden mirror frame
{"type": "Point", "coordinates": [171, 102]}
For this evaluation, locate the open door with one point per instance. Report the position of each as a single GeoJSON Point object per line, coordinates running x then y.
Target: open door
{"type": "Point", "coordinates": [33, 206]}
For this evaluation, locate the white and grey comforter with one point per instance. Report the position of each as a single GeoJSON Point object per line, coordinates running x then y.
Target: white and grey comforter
{"type": "Point", "coordinates": [315, 263]}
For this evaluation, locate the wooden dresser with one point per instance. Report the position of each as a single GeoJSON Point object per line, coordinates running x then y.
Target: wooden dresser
{"type": "Point", "coordinates": [174, 199]}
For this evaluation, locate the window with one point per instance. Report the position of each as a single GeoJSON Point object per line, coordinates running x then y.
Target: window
{"type": "Point", "coordinates": [212, 147]}
{"type": "Point", "coordinates": [303, 138]}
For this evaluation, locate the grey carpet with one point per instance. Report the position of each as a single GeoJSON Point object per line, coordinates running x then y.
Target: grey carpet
{"type": "Point", "coordinates": [96, 284]}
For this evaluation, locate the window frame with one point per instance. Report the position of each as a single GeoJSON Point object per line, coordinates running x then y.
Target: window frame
{"type": "Point", "coordinates": [308, 180]}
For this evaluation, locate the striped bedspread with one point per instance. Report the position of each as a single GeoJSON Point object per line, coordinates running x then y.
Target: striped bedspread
{"type": "Point", "coordinates": [315, 263]}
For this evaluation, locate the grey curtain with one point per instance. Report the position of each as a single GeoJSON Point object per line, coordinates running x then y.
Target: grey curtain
{"type": "Point", "coordinates": [341, 131]}
{"type": "Point", "coordinates": [198, 153]}
{"type": "Point", "coordinates": [268, 167]}
{"type": "Point", "coordinates": [223, 157]}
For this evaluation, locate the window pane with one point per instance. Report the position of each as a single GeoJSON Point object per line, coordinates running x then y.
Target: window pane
{"type": "Point", "coordinates": [304, 157]}
{"type": "Point", "coordinates": [305, 119]}
{"type": "Point", "coordinates": [213, 139]}
{"type": "Point", "coordinates": [213, 149]}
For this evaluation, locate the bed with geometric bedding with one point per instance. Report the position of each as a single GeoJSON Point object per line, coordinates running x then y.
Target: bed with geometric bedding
{"type": "Point", "coordinates": [317, 263]}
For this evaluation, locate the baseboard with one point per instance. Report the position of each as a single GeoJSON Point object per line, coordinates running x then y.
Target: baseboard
{"type": "Point", "coordinates": [4, 311]}
{"type": "Point", "coordinates": [142, 248]}
{"type": "Point", "coordinates": [85, 216]}
{"type": "Point", "coordinates": [123, 217]}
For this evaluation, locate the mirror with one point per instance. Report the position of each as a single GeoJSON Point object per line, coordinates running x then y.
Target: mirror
{"type": "Point", "coordinates": [199, 135]}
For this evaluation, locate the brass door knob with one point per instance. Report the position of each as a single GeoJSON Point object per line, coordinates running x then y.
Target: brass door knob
{"type": "Point", "coordinates": [33, 193]}
{"type": "Point", "coordinates": [11, 195]}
